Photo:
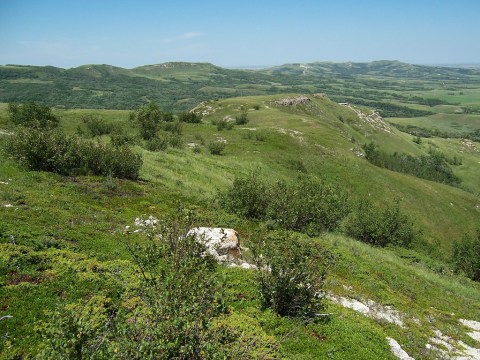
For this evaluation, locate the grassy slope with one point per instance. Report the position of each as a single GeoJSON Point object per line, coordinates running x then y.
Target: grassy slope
{"type": "Point", "coordinates": [85, 217]}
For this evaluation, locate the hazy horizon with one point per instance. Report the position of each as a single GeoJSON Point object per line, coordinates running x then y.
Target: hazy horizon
{"type": "Point", "coordinates": [237, 34]}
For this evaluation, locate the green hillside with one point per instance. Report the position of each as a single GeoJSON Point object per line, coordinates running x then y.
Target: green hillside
{"type": "Point", "coordinates": [391, 86]}
{"type": "Point", "coordinates": [63, 238]}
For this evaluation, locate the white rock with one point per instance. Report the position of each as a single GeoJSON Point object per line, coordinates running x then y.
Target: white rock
{"type": "Point", "coordinates": [397, 350]}
{"type": "Point", "coordinates": [221, 243]}
{"type": "Point", "coordinates": [474, 325]}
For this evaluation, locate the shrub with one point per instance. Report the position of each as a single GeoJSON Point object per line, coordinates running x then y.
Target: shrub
{"type": "Point", "coordinates": [165, 309]}
{"type": "Point", "coordinates": [217, 147]}
{"type": "Point", "coordinates": [248, 197]}
{"type": "Point", "coordinates": [307, 205]}
{"type": "Point", "coordinates": [189, 117]}
{"type": "Point", "coordinates": [291, 274]}
{"type": "Point", "coordinates": [242, 119]}
{"type": "Point", "coordinates": [157, 144]}
{"type": "Point", "coordinates": [175, 127]}
{"type": "Point", "coordinates": [51, 150]}
{"type": "Point", "coordinates": [147, 118]}
{"type": "Point", "coordinates": [176, 141]}
{"type": "Point", "coordinates": [119, 138]}
{"type": "Point", "coordinates": [32, 115]}
{"type": "Point", "coordinates": [167, 117]}
{"type": "Point", "coordinates": [96, 126]}
{"type": "Point", "coordinates": [224, 124]}
{"type": "Point", "coordinates": [381, 228]}
{"type": "Point", "coordinates": [466, 256]}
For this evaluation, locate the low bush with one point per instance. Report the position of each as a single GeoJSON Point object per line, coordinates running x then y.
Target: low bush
{"type": "Point", "coordinates": [224, 124]}
{"type": "Point", "coordinates": [291, 275]}
{"type": "Point", "coordinates": [248, 197]}
{"type": "Point", "coordinates": [176, 141]}
{"type": "Point", "coordinates": [242, 119]}
{"type": "Point", "coordinates": [216, 147]}
{"type": "Point", "coordinates": [175, 127]}
{"type": "Point", "coordinates": [466, 256]}
{"type": "Point", "coordinates": [157, 144]}
{"type": "Point", "coordinates": [189, 117]}
{"type": "Point", "coordinates": [381, 228]}
{"type": "Point", "coordinates": [32, 115]}
{"type": "Point", "coordinates": [164, 309]}
{"type": "Point", "coordinates": [308, 205]}
{"type": "Point", "coordinates": [53, 151]}
{"type": "Point", "coordinates": [96, 126]}
{"type": "Point", "coordinates": [119, 138]}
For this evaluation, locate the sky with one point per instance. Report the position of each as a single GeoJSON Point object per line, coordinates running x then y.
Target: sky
{"type": "Point", "coordinates": [231, 33]}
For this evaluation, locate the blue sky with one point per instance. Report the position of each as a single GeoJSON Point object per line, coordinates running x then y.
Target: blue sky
{"type": "Point", "coordinates": [232, 33]}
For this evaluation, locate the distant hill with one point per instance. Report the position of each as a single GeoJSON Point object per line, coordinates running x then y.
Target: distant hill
{"type": "Point", "coordinates": [182, 85]}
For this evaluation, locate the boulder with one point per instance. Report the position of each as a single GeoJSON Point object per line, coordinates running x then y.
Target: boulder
{"type": "Point", "coordinates": [223, 244]}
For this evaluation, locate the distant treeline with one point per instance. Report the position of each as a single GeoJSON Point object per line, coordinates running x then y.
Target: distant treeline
{"type": "Point", "coordinates": [427, 133]}
{"type": "Point", "coordinates": [434, 167]}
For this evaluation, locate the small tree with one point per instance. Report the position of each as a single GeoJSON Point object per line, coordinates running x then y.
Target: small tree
{"type": "Point", "coordinates": [32, 115]}
{"type": "Point", "coordinates": [147, 118]}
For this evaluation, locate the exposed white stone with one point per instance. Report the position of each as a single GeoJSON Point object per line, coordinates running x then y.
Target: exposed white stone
{"type": "Point", "coordinates": [397, 350]}
{"type": "Point", "coordinates": [219, 241]}
{"type": "Point", "coordinates": [370, 309]}
{"type": "Point", "coordinates": [472, 324]}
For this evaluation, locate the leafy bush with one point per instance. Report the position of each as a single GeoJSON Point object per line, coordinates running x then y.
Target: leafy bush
{"type": "Point", "coordinates": [308, 205]}
{"type": "Point", "coordinates": [167, 117]}
{"type": "Point", "coordinates": [96, 126]}
{"type": "Point", "coordinates": [165, 310]}
{"type": "Point", "coordinates": [174, 127]}
{"type": "Point", "coordinates": [189, 117]}
{"type": "Point", "coordinates": [466, 256]}
{"type": "Point", "coordinates": [176, 141]}
{"type": "Point", "coordinates": [242, 119]}
{"type": "Point", "coordinates": [248, 197]}
{"type": "Point", "coordinates": [216, 147]}
{"type": "Point", "coordinates": [291, 274]}
{"type": "Point", "coordinates": [32, 115]}
{"type": "Point", "coordinates": [157, 144]}
{"type": "Point", "coordinates": [224, 124]}
{"type": "Point", "coordinates": [147, 118]}
{"type": "Point", "coordinates": [381, 228]}
{"type": "Point", "coordinates": [51, 150]}
{"type": "Point", "coordinates": [119, 138]}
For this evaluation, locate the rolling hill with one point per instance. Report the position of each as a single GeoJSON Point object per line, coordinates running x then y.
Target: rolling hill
{"type": "Point", "coordinates": [63, 238]}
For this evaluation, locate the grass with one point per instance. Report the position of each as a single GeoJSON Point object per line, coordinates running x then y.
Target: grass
{"type": "Point", "coordinates": [67, 228]}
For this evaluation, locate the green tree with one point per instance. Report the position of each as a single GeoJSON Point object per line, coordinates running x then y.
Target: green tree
{"type": "Point", "coordinates": [147, 118]}
{"type": "Point", "coordinates": [32, 115]}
